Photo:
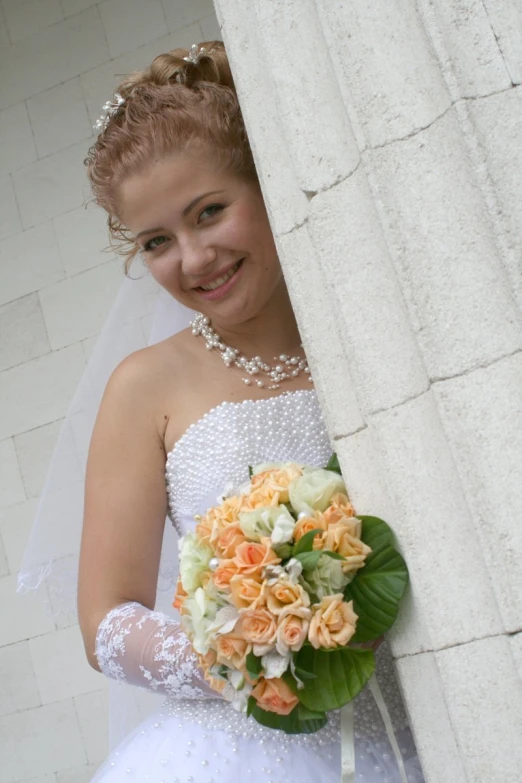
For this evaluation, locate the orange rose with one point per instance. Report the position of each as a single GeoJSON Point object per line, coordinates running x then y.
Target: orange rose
{"type": "Point", "coordinates": [224, 573]}
{"type": "Point", "coordinates": [228, 540]}
{"type": "Point", "coordinates": [217, 518]}
{"type": "Point", "coordinates": [258, 499]}
{"type": "Point", "coordinates": [232, 650]}
{"type": "Point", "coordinates": [339, 538]}
{"type": "Point", "coordinates": [292, 629]}
{"type": "Point", "coordinates": [284, 594]}
{"type": "Point", "coordinates": [247, 593]}
{"type": "Point", "coordinates": [333, 622]}
{"type": "Point", "coordinates": [180, 596]}
{"type": "Point", "coordinates": [259, 627]}
{"type": "Point", "coordinates": [274, 695]}
{"type": "Point", "coordinates": [276, 481]}
{"type": "Point", "coordinates": [305, 524]}
{"type": "Point", "coordinates": [252, 557]}
{"type": "Point", "coordinates": [339, 508]}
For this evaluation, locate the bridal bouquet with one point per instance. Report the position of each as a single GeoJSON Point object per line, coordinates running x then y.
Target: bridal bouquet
{"type": "Point", "coordinates": [280, 586]}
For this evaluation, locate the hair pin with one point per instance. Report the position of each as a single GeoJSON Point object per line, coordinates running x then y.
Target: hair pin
{"type": "Point", "coordinates": [108, 110]}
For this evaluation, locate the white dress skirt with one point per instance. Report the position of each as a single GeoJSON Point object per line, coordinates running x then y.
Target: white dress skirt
{"type": "Point", "coordinates": [206, 740]}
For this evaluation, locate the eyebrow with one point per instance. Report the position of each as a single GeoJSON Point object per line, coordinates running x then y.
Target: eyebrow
{"type": "Point", "coordinates": [184, 213]}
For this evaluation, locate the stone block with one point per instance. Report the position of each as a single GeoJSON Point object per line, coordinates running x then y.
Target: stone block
{"type": "Point", "coordinates": [444, 251]}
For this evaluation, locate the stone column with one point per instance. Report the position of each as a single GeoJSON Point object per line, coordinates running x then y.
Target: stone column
{"type": "Point", "coordinates": [388, 139]}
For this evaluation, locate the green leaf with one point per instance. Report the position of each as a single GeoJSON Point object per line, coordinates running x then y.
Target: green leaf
{"type": "Point", "coordinates": [333, 464]}
{"type": "Point", "coordinates": [291, 724]}
{"type": "Point", "coordinates": [254, 666]}
{"type": "Point", "coordinates": [340, 675]}
{"type": "Point", "coordinates": [309, 560]}
{"type": "Point", "coordinates": [303, 713]}
{"type": "Point", "coordinates": [250, 471]}
{"type": "Point", "coordinates": [304, 675]}
{"type": "Point", "coordinates": [376, 591]}
{"type": "Point", "coordinates": [284, 551]}
{"type": "Point", "coordinates": [376, 532]}
{"type": "Point", "coordinates": [306, 543]}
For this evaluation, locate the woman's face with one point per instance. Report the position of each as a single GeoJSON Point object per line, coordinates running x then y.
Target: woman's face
{"type": "Point", "coordinates": [205, 236]}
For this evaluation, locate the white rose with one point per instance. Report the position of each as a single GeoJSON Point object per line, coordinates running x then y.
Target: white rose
{"type": "Point", "coordinates": [328, 578]}
{"type": "Point", "coordinates": [202, 611]}
{"type": "Point", "coordinates": [194, 557]}
{"type": "Point", "coordinates": [274, 664]}
{"type": "Point", "coordinates": [275, 522]}
{"type": "Point", "coordinates": [313, 490]}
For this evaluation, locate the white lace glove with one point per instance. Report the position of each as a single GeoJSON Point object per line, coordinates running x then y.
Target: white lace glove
{"type": "Point", "coordinates": [149, 649]}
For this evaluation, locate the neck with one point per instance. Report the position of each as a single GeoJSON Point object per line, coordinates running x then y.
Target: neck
{"type": "Point", "coordinates": [269, 334]}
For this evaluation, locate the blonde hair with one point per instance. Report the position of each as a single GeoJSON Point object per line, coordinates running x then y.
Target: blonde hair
{"type": "Point", "coordinates": [170, 106]}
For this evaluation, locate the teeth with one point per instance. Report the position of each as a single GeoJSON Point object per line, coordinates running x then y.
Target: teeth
{"type": "Point", "coordinates": [221, 280]}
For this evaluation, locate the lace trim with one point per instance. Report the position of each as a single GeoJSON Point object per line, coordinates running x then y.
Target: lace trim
{"type": "Point", "coordinates": [149, 649]}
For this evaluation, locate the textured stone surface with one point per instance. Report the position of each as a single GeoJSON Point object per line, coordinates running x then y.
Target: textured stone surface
{"type": "Point", "coordinates": [484, 697]}
{"type": "Point", "coordinates": [386, 69]}
{"type": "Point", "coordinates": [381, 350]}
{"type": "Point", "coordinates": [482, 418]}
{"type": "Point", "coordinates": [441, 240]}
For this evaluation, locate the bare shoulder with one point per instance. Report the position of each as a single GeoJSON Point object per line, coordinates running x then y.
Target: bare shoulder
{"type": "Point", "coordinates": [145, 378]}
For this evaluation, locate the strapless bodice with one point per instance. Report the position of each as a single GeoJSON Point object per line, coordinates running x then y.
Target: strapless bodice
{"type": "Point", "coordinates": [213, 455]}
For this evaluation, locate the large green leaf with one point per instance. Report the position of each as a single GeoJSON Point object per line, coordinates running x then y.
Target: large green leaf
{"type": "Point", "coordinates": [376, 591]}
{"type": "Point", "coordinates": [309, 723]}
{"type": "Point", "coordinates": [333, 464]}
{"type": "Point", "coordinates": [340, 674]}
{"type": "Point", "coordinates": [376, 532]}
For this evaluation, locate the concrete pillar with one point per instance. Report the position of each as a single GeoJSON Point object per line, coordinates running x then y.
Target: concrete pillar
{"type": "Point", "coordinates": [388, 141]}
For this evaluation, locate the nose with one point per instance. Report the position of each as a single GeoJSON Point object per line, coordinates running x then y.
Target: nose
{"type": "Point", "coordinates": [196, 255]}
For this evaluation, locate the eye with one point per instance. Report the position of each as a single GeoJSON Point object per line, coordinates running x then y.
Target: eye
{"type": "Point", "coordinates": [153, 243]}
{"type": "Point", "coordinates": [212, 210]}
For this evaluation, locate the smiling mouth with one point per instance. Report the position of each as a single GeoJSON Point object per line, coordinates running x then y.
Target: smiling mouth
{"type": "Point", "coordinates": [220, 280]}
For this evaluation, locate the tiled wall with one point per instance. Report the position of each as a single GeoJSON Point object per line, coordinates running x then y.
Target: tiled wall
{"type": "Point", "coordinates": [59, 61]}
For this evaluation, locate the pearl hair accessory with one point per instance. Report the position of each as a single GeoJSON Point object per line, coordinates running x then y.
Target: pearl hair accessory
{"type": "Point", "coordinates": [195, 54]}
{"type": "Point", "coordinates": [108, 110]}
{"type": "Point", "coordinates": [288, 367]}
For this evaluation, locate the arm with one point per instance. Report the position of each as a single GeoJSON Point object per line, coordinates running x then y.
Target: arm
{"type": "Point", "coordinates": [125, 511]}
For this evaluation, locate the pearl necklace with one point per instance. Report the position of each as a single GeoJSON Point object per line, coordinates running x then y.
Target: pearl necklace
{"type": "Point", "coordinates": [288, 367]}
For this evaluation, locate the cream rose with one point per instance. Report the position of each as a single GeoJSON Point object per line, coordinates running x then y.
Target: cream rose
{"type": "Point", "coordinates": [232, 650]}
{"type": "Point", "coordinates": [285, 594]}
{"type": "Point", "coordinates": [292, 629]}
{"type": "Point", "coordinates": [314, 489]}
{"type": "Point", "coordinates": [247, 592]}
{"type": "Point", "coordinates": [333, 622]}
{"type": "Point", "coordinates": [339, 538]}
{"type": "Point", "coordinates": [259, 627]}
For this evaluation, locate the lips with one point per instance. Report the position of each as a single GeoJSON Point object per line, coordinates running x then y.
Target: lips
{"type": "Point", "coordinates": [221, 282]}
{"type": "Point", "coordinates": [223, 273]}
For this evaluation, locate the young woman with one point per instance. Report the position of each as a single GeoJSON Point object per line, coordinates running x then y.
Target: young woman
{"type": "Point", "coordinates": [183, 419]}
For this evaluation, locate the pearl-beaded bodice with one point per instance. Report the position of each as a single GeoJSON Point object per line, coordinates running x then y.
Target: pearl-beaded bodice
{"type": "Point", "coordinates": [213, 455]}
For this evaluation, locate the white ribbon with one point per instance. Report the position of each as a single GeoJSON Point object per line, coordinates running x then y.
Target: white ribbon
{"type": "Point", "coordinates": [347, 744]}
{"type": "Point", "coordinates": [383, 709]}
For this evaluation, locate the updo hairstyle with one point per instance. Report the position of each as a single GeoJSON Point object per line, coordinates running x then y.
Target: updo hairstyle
{"type": "Point", "coordinates": [173, 105]}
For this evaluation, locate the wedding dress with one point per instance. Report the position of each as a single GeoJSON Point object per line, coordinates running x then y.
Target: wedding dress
{"type": "Point", "coordinates": [196, 737]}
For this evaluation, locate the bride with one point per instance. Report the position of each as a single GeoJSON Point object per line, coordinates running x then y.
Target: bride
{"type": "Point", "coordinates": [181, 420]}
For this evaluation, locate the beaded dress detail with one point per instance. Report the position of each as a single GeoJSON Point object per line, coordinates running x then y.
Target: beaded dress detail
{"type": "Point", "coordinates": [196, 738]}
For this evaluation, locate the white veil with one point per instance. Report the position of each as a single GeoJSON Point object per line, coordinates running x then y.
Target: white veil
{"type": "Point", "coordinates": [143, 313]}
